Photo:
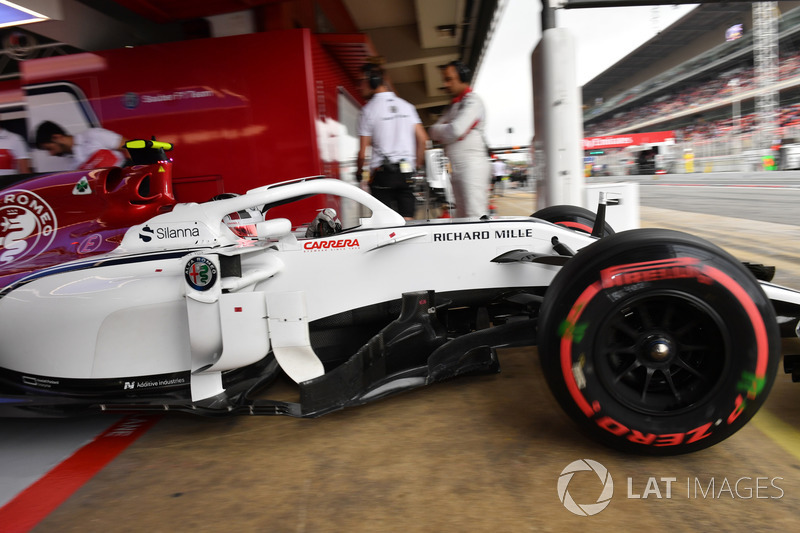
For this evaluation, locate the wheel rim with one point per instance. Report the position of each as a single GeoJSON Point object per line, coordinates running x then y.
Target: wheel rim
{"type": "Point", "coordinates": [662, 353]}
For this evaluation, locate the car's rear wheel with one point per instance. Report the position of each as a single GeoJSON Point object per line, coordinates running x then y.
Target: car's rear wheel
{"type": "Point", "coordinates": [658, 342]}
{"type": "Point", "coordinates": [573, 217]}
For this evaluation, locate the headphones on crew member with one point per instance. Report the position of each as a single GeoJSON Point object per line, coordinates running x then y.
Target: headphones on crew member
{"type": "Point", "coordinates": [463, 71]}
{"type": "Point", "coordinates": [373, 74]}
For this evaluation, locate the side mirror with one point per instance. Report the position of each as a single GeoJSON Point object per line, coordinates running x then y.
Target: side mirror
{"type": "Point", "coordinates": [274, 229]}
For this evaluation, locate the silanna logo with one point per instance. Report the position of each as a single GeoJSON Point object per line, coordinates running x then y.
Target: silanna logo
{"type": "Point", "coordinates": [27, 226]}
{"type": "Point", "coordinates": [147, 234]}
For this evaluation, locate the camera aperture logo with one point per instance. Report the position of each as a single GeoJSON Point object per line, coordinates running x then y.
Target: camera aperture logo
{"type": "Point", "coordinates": [586, 509]}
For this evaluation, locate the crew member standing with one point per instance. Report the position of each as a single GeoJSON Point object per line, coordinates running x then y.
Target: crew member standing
{"type": "Point", "coordinates": [391, 126]}
{"type": "Point", "coordinates": [499, 171]}
{"type": "Point", "coordinates": [460, 129]}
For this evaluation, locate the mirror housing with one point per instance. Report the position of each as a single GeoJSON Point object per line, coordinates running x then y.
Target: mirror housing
{"type": "Point", "coordinates": [273, 229]}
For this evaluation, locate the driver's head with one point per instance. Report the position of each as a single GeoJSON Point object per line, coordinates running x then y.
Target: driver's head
{"type": "Point", "coordinates": [242, 223]}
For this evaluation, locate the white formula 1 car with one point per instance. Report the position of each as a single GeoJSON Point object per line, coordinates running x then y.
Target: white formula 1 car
{"type": "Point", "coordinates": [654, 341]}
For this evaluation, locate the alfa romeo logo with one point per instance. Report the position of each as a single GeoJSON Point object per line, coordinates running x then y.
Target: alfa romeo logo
{"type": "Point", "coordinates": [200, 273]}
{"type": "Point", "coordinates": [587, 509]}
{"type": "Point", "coordinates": [27, 226]}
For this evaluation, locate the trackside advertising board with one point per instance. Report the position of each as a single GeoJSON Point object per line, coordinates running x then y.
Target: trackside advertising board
{"type": "Point", "coordinates": [628, 139]}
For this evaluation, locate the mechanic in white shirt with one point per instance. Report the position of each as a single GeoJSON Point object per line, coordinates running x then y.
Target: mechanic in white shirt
{"type": "Point", "coordinates": [92, 148]}
{"type": "Point", "coordinates": [460, 129]}
{"type": "Point", "coordinates": [391, 126]}
{"type": "Point", "coordinates": [14, 156]}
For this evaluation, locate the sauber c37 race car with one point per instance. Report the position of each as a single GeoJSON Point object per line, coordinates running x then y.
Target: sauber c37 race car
{"type": "Point", "coordinates": [653, 341]}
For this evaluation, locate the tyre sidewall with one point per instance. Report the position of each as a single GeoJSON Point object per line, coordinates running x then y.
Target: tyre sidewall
{"type": "Point", "coordinates": [573, 217]}
{"type": "Point", "coordinates": [631, 267]}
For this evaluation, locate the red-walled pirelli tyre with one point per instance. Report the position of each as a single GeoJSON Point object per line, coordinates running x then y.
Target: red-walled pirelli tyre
{"type": "Point", "coordinates": [658, 342]}
{"type": "Point", "coordinates": [571, 216]}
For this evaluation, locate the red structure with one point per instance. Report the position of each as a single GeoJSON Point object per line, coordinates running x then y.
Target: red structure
{"type": "Point", "coordinates": [242, 111]}
{"type": "Point", "coordinates": [628, 139]}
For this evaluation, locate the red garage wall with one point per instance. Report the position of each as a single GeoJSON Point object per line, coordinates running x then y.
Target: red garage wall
{"type": "Point", "coordinates": [239, 109]}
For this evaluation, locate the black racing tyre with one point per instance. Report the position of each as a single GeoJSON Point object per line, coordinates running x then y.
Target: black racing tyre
{"type": "Point", "coordinates": [571, 216]}
{"type": "Point", "coordinates": [658, 342]}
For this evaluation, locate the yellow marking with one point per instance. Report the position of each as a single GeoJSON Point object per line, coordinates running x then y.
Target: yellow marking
{"type": "Point", "coordinates": [139, 143]}
{"type": "Point", "coordinates": [783, 434]}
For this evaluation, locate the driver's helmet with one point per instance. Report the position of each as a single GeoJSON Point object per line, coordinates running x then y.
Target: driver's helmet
{"type": "Point", "coordinates": [324, 224]}
{"type": "Point", "coordinates": [242, 223]}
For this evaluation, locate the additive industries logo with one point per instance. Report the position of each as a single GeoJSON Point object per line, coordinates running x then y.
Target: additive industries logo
{"type": "Point", "coordinates": [200, 273]}
{"type": "Point", "coordinates": [586, 509]}
{"type": "Point", "coordinates": [27, 226]}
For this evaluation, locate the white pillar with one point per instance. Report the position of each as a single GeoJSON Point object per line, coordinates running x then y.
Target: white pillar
{"type": "Point", "coordinates": [558, 122]}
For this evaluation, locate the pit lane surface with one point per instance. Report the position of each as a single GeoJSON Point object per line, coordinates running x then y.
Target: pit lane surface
{"type": "Point", "coordinates": [763, 196]}
{"type": "Point", "coordinates": [477, 454]}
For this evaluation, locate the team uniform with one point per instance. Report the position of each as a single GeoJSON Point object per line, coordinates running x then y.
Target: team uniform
{"type": "Point", "coordinates": [12, 148]}
{"type": "Point", "coordinates": [96, 148]}
{"type": "Point", "coordinates": [460, 129]}
{"type": "Point", "coordinates": [390, 122]}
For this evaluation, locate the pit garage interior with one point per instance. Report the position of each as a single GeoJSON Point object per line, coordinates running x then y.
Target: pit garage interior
{"type": "Point", "coordinates": [474, 454]}
{"type": "Point", "coordinates": [409, 38]}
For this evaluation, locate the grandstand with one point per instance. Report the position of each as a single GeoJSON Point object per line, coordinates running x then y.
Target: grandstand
{"type": "Point", "coordinates": [690, 80]}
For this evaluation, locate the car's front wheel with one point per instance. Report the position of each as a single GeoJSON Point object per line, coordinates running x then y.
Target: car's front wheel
{"type": "Point", "coordinates": [658, 342]}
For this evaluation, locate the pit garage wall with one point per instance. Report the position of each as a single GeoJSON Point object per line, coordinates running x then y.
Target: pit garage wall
{"type": "Point", "coordinates": [242, 111]}
{"type": "Point", "coordinates": [337, 138]}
